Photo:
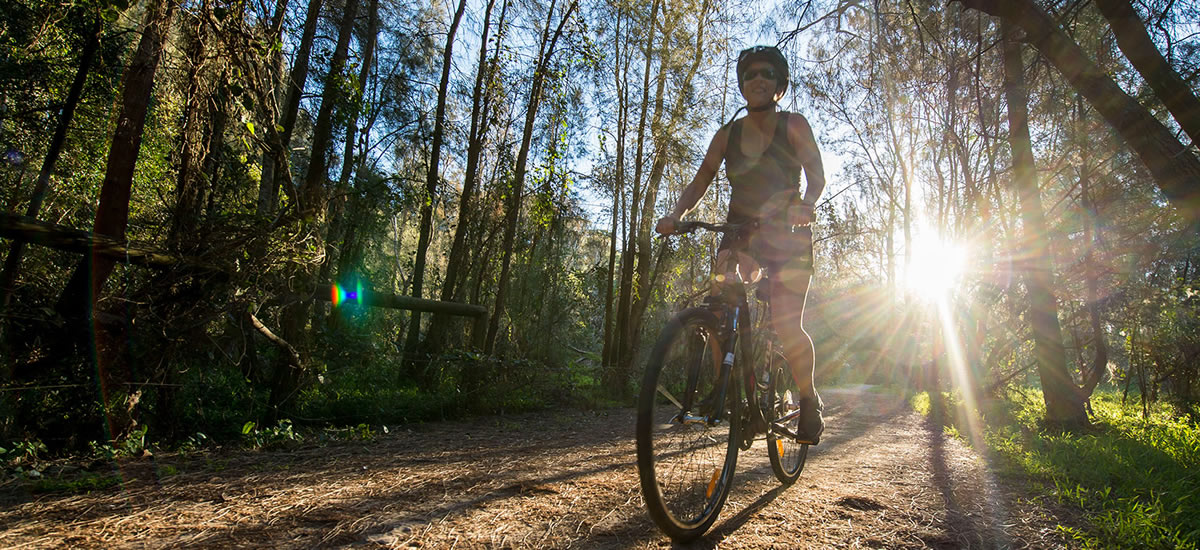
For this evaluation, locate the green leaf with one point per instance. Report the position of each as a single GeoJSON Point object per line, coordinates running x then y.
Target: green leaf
{"type": "Point", "coordinates": [247, 427]}
{"type": "Point", "coordinates": [250, 126]}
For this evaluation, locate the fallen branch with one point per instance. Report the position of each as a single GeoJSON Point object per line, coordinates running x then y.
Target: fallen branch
{"type": "Point", "coordinates": [283, 345]}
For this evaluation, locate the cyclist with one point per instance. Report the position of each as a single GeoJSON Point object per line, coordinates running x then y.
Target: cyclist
{"type": "Point", "coordinates": [764, 154]}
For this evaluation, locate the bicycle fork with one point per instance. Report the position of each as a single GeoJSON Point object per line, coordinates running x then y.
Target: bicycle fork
{"type": "Point", "coordinates": [686, 414]}
{"type": "Point", "coordinates": [726, 366]}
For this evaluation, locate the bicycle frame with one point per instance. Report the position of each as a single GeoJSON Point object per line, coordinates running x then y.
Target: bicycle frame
{"type": "Point", "coordinates": [707, 423]}
{"type": "Point", "coordinates": [736, 314]}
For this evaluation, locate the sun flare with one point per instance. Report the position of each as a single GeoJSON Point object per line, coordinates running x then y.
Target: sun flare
{"type": "Point", "coordinates": [935, 267]}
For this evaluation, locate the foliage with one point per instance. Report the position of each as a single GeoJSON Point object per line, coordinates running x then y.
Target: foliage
{"type": "Point", "coordinates": [1133, 476]}
{"type": "Point", "coordinates": [278, 436]}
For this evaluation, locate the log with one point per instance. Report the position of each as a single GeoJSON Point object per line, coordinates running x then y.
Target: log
{"type": "Point", "coordinates": [32, 230]}
{"type": "Point", "coordinates": [391, 301]}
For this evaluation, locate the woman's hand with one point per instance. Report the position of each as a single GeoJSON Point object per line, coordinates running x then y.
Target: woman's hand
{"type": "Point", "coordinates": [803, 213]}
{"type": "Point", "coordinates": [667, 225]}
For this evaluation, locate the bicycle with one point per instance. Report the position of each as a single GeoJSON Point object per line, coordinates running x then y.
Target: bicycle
{"type": "Point", "coordinates": [692, 420]}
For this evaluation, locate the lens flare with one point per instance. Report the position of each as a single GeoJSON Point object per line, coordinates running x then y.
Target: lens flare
{"type": "Point", "coordinates": [341, 295]}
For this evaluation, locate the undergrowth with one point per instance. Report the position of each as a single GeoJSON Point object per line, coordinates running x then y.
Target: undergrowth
{"type": "Point", "coordinates": [1137, 479]}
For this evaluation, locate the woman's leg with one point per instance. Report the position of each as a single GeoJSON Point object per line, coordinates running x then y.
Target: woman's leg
{"type": "Point", "coordinates": [789, 293]}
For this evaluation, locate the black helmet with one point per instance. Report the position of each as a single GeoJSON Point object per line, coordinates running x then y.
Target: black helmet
{"type": "Point", "coordinates": [771, 55]}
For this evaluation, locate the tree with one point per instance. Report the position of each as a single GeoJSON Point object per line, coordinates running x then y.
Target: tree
{"type": "Point", "coordinates": [1175, 167]}
{"type": "Point", "coordinates": [1137, 46]}
{"type": "Point", "coordinates": [431, 181]}
{"type": "Point", "coordinates": [546, 50]}
{"type": "Point", "coordinates": [664, 131]}
{"type": "Point", "coordinates": [482, 97]}
{"type": "Point", "coordinates": [12, 263]}
{"type": "Point", "coordinates": [1063, 406]}
{"type": "Point", "coordinates": [79, 298]}
{"type": "Point", "coordinates": [275, 163]}
{"type": "Point", "coordinates": [314, 189]}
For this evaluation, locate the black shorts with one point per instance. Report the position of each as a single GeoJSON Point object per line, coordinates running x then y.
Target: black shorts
{"type": "Point", "coordinates": [787, 253]}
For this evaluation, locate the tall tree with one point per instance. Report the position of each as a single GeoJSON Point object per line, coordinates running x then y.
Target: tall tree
{"type": "Point", "coordinates": [1137, 46]}
{"type": "Point", "coordinates": [12, 263]}
{"type": "Point", "coordinates": [1063, 405]}
{"type": "Point", "coordinates": [189, 183]}
{"type": "Point", "coordinates": [339, 227]}
{"type": "Point", "coordinates": [430, 196]}
{"type": "Point", "coordinates": [1175, 167]}
{"type": "Point", "coordinates": [618, 382]}
{"type": "Point", "coordinates": [664, 133]}
{"type": "Point", "coordinates": [313, 192]}
{"type": "Point", "coordinates": [481, 104]}
{"type": "Point", "coordinates": [620, 75]}
{"type": "Point", "coordinates": [78, 299]}
{"type": "Point", "coordinates": [277, 166]}
{"type": "Point", "coordinates": [546, 50]}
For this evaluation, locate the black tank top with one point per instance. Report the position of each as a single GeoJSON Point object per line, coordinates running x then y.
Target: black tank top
{"type": "Point", "coordinates": [762, 187]}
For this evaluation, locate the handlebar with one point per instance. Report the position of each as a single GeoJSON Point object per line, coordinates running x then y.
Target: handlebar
{"type": "Point", "coordinates": [683, 228]}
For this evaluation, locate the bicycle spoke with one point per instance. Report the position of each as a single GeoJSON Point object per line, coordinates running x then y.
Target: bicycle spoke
{"type": "Point", "coordinates": [685, 457]}
{"type": "Point", "coordinates": [787, 452]}
{"type": "Point", "coordinates": [663, 391]}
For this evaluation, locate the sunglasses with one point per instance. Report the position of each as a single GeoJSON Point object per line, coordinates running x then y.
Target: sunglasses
{"type": "Point", "coordinates": [767, 73]}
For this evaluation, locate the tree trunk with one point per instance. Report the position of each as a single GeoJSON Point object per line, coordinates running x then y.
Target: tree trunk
{"type": "Point", "coordinates": [78, 300]}
{"type": "Point", "coordinates": [337, 205]}
{"type": "Point", "coordinates": [1175, 167]}
{"type": "Point", "coordinates": [663, 134]}
{"type": "Point", "coordinates": [619, 79]}
{"type": "Point", "coordinates": [112, 214]}
{"type": "Point", "coordinates": [12, 264]}
{"type": "Point", "coordinates": [1092, 240]}
{"type": "Point", "coordinates": [513, 208]}
{"type": "Point", "coordinates": [189, 185]}
{"type": "Point", "coordinates": [481, 99]}
{"type": "Point", "coordinates": [1063, 406]}
{"type": "Point", "coordinates": [431, 185]}
{"type": "Point", "coordinates": [278, 165]}
{"type": "Point", "coordinates": [618, 382]}
{"type": "Point", "coordinates": [1138, 47]}
{"type": "Point", "coordinates": [313, 190]}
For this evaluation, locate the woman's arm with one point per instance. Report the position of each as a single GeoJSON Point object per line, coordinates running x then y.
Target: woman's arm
{"type": "Point", "coordinates": [695, 190]}
{"type": "Point", "coordinates": [800, 135]}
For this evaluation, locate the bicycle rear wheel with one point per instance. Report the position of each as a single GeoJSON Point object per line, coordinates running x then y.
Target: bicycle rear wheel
{"type": "Point", "coordinates": [686, 461]}
{"type": "Point", "coordinates": [783, 419]}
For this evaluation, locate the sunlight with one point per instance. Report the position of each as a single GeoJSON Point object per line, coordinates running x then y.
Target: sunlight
{"type": "Point", "coordinates": [935, 267]}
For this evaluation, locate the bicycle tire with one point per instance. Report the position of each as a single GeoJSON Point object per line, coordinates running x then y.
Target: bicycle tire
{"type": "Point", "coordinates": [787, 455]}
{"type": "Point", "coordinates": [686, 468]}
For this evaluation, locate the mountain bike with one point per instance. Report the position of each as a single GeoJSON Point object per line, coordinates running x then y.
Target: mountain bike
{"type": "Point", "coordinates": [693, 417]}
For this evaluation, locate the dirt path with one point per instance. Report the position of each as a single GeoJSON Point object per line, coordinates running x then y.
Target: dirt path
{"type": "Point", "coordinates": [881, 478]}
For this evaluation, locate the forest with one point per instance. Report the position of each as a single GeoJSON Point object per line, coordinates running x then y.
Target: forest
{"type": "Point", "coordinates": [221, 214]}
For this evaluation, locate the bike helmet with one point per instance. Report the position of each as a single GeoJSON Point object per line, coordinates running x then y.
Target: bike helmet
{"type": "Point", "coordinates": [771, 55]}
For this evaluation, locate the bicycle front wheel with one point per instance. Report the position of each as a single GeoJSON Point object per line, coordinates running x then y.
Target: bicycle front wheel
{"type": "Point", "coordinates": [783, 419]}
{"type": "Point", "coordinates": [686, 458]}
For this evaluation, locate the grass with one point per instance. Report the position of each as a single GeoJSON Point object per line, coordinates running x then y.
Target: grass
{"type": "Point", "coordinates": [1137, 480]}
{"type": "Point", "coordinates": [85, 484]}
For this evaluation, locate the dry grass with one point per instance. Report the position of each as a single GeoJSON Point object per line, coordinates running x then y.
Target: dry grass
{"type": "Point", "coordinates": [882, 478]}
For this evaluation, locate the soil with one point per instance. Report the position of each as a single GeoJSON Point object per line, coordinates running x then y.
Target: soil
{"type": "Point", "coordinates": [882, 477]}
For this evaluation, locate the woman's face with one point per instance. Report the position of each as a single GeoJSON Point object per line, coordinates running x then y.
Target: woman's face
{"type": "Point", "coordinates": [759, 84]}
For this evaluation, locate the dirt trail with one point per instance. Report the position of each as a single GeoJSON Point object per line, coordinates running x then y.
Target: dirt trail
{"type": "Point", "coordinates": [881, 478]}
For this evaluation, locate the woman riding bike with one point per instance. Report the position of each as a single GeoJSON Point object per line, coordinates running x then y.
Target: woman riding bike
{"type": "Point", "coordinates": [764, 154]}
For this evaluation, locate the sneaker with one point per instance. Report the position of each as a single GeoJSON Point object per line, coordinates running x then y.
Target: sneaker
{"type": "Point", "coordinates": [811, 421]}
